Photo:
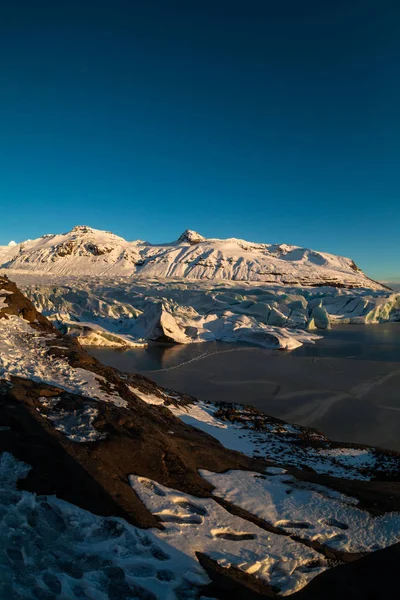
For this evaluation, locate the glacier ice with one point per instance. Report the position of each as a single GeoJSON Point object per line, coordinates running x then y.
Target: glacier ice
{"type": "Point", "coordinates": [125, 312]}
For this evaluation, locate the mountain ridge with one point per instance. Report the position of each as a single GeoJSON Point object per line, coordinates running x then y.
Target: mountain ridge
{"type": "Point", "coordinates": [88, 251]}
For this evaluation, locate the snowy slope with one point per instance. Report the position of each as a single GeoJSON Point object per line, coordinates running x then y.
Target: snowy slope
{"type": "Point", "coordinates": [80, 251]}
{"type": "Point", "coordinates": [87, 251]}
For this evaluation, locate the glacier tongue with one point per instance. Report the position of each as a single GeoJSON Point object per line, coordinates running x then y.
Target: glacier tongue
{"type": "Point", "coordinates": [122, 312]}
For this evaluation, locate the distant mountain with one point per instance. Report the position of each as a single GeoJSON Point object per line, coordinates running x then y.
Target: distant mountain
{"type": "Point", "coordinates": [87, 251]}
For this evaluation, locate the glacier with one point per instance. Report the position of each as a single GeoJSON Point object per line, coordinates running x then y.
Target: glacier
{"type": "Point", "coordinates": [122, 312]}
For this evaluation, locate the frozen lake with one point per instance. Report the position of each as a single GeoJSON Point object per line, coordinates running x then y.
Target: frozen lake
{"type": "Point", "coordinates": [345, 385]}
{"type": "Point", "coordinates": [372, 342]}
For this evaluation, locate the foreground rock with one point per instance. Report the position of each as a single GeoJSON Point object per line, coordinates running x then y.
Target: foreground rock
{"type": "Point", "coordinates": [286, 509]}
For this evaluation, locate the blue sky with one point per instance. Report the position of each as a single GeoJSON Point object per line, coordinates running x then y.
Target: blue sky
{"type": "Point", "coordinates": [271, 121]}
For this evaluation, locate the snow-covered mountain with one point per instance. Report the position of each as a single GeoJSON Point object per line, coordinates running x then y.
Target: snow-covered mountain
{"type": "Point", "coordinates": [87, 251]}
{"type": "Point", "coordinates": [80, 251]}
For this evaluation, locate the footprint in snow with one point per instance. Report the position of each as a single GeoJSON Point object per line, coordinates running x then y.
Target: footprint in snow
{"type": "Point", "coordinates": [180, 519]}
{"type": "Point", "coordinates": [165, 575]}
{"type": "Point", "coordinates": [234, 536]}
{"type": "Point", "coordinates": [294, 524]}
{"type": "Point", "coordinates": [191, 508]}
{"type": "Point", "coordinates": [339, 537]}
{"type": "Point", "coordinates": [335, 523]}
{"type": "Point", "coordinates": [150, 485]}
{"type": "Point", "coordinates": [310, 566]}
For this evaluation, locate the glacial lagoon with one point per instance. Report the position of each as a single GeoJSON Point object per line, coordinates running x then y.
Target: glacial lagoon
{"type": "Point", "coordinates": [347, 384]}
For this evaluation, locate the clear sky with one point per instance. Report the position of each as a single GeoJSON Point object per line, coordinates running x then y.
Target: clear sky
{"type": "Point", "coordinates": [275, 121]}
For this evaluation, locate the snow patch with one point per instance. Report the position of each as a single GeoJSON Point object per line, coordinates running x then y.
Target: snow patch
{"type": "Point", "coordinates": [53, 549]}
{"type": "Point", "coordinates": [284, 502]}
{"type": "Point", "coordinates": [76, 425]}
{"type": "Point", "coordinates": [258, 436]}
{"type": "Point", "coordinates": [194, 524]}
{"type": "Point", "coordinates": [3, 298]}
{"type": "Point", "coordinates": [24, 353]}
{"type": "Point", "coordinates": [148, 398]}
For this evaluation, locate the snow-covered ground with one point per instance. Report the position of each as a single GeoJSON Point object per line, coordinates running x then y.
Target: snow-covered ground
{"type": "Point", "coordinates": [24, 352]}
{"type": "Point", "coordinates": [76, 425]}
{"type": "Point", "coordinates": [52, 549]}
{"type": "Point", "coordinates": [245, 429]}
{"type": "Point", "coordinates": [123, 312]}
{"type": "Point", "coordinates": [284, 502]}
{"type": "Point", "coordinates": [201, 525]}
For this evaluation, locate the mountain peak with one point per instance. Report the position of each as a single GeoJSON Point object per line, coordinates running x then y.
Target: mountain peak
{"type": "Point", "coordinates": [191, 237]}
{"type": "Point", "coordinates": [82, 229]}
